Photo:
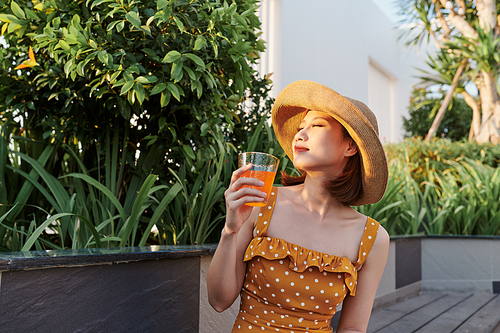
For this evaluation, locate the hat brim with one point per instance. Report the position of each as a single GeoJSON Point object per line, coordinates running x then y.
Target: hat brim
{"type": "Point", "coordinates": [307, 95]}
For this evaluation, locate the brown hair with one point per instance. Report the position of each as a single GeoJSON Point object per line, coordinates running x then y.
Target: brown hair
{"type": "Point", "coordinates": [346, 188]}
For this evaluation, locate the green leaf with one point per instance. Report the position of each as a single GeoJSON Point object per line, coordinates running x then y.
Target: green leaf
{"type": "Point", "coordinates": [197, 60]}
{"type": "Point", "coordinates": [139, 92]}
{"type": "Point", "coordinates": [126, 87]}
{"type": "Point", "coordinates": [7, 18]}
{"type": "Point", "coordinates": [98, 2]}
{"type": "Point", "coordinates": [179, 23]}
{"type": "Point", "coordinates": [165, 98]}
{"type": "Point", "coordinates": [174, 90]}
{"type": "Point", "coordinates": [161, 122]}
{"type": "Point", "coordinates": [171, 57]}
{"type": "Point", "coordinates": [158, 88]}
{"type": "Point", "coordinates": [17, 10]}
{"type": "Point", "coordinates": [120, 26]}
{"type": "Point", "coordinates": [68, 65]}
{"type": "Point", "coordinates": [92, 44]}
{"type": "Point", "coordinates": [65, 46]}
{"type": "Point", "coordinates": [31, 14]}
{"type": "Point", "coordinates": [189, 151]}
{"type": "Point", "coordinates": [133, 18]}
{"type": "Point", "coordinates": [200, 43]}
{"type": "Point", "coordinates": [176, 69]}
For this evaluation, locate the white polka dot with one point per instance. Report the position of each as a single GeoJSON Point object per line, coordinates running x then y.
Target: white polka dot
{"type": "Point", "coordinates": [277, 280]}
{"type": "Point", "coordinates": [303, 304]}
{"type": "Point", "coordinates": [327, 301]}
{"type": "Point", "coordinates": [317, 306]}
{"type": "Point", "coordinates": [286, 273]}
{"type": "Point", "coordinates": [369, 237]}
{"type": "Point", "coordinates": [336, 294]}
{"type": "Point", "coordinates": [270, 247]}
{"type": "Point", "coordinates": [269, 207]}
{"type": "Point", "coordinates": [276, 255]}
{"type": "Point", "coordinates": [307, 287]}
{"type": "Point", "coordinates": [361, 243]}
{"type": "Point", "coordinates": [265, 311]}
{"type": "Point", "coordinates": [288, 300]}
{"type": "Point", "coordinates": [331, 284]}
{"type": "Point", "coordinates": [373, 223]}
{"type": "Point", "coordinates": [312, 297]}
{"type": "Point", "coordinates": [263, 252]}
{"type": "Point", "coordinates": [292, 284]}
{"type": "Point", "coordinates": [316, 280]}
{"type": "Point", "coordinates": [295, 268]}
{"type": "Point", "coordinates": [269, 238]}
{"type": "Point", "coordinates": [322, 291]}
{"type": "Point", "coordinates": [281, 262]}
{"type": "Point", "coordinates": [260, 214]}
{"type": "Point", "coordinates": [297, 294]}
{"type": "Point", "coordinates": [301, 276]}
{"type": "Point", "coordinates": [268, 285]}
{"type": "Point", "coordinates": [250, 326]}
{"type": "Point", "coordinates": [282, 290]}
{"type": "Point", "coordinates": [305, 262]}
{"type": "Point", "coordinates": [265, 222]}
{"type": "Point", "coordinates": [339, 276]}
{"type": "Point", "coordinates": [271, 268]}
{"type": "Point", "coordinates": [310, 269]}
{"type": "Point", "coordinates": [324, 273]}
{"type": "Point", "coordinates": [273, 295]}
{"type": "Point", "coordinates": [364, 253]}
{"type": "Point", "coordinates": [272, 193]}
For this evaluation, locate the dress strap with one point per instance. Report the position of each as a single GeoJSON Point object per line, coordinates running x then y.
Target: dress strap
{"type": "Point", "coordinates": [265, 213]}
{"type": "Point", "coordinates": [369, 236]}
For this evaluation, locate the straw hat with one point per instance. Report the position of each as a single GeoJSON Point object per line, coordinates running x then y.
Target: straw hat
{"type": "Point", "coordinates": [354, 115]}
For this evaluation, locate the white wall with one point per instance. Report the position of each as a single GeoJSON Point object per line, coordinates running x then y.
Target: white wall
{"type": "Point", "coordinates": [333, 42]}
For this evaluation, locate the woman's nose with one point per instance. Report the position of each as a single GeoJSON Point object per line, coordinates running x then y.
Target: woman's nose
{"type": "Point", "coordinates": [300, 136]}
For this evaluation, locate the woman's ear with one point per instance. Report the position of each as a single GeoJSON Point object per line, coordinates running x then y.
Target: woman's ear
{"type": "Point", "coordinates": [352, 149]}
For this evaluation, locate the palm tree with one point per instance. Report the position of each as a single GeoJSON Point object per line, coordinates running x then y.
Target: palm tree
{"type": "Point", "coordinates": [468, 32]}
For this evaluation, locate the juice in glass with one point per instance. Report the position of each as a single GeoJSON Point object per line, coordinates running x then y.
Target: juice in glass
{"type": "Point", "coordinates": [264, 167]}
{"type": "Point", "coordinates": [267, 177]}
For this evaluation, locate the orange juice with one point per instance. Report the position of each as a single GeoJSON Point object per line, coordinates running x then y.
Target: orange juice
{"type": "Point", "coordinates": [267, 177]}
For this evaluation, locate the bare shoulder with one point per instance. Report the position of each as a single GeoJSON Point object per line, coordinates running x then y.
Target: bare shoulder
{"type": "Point", "coordinates": [380, 247]}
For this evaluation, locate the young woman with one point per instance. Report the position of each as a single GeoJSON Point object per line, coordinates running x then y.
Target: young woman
{"type": "Point", "coordinates": [295, 260]}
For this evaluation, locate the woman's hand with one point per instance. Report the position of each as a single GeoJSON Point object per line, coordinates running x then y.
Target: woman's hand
{"type": "Point", "coordinates": [237, 196]}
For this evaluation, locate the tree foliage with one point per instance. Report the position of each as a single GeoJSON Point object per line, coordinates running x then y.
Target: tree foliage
{"type": "Point", "coordinates": [120, 89]}
{"type": "Point", "coordinates": [422, 109]}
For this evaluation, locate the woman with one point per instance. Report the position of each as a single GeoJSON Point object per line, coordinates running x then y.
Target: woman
{"type": "Point", "coordinates": [297, 258]}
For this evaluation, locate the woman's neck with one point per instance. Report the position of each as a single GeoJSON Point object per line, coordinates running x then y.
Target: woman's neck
{"type": "Point", "coordinates": [315, 198]}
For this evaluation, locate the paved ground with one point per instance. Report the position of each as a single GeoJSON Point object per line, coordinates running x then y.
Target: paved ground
{"type": "Point", "coordinates": [440, 313]}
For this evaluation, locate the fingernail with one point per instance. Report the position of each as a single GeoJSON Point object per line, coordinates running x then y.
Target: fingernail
{"type": "Point", "coordinates": [261, 183]}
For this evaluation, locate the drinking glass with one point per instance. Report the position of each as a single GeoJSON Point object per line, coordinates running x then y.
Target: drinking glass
{"type": "Point", "coordinates": [264, 167]}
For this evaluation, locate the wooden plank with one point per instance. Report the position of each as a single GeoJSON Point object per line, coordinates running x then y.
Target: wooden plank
{"type": "Point", "coordinates": [455, 316]}
{"type": "Point", "coordinates": [484, 320]}
{"type": "Point", "coordinates": [418, 318]}
{"type": "Point", "coordinates": [391, 314]}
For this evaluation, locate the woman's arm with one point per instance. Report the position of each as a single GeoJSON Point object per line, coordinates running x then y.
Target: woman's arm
{"type": "Point", "coordinates": [356, 310]}
{"type": "Point", "coordinates": [227, 270]}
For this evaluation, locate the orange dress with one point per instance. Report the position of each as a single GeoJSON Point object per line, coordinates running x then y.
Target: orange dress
{"type": "Point", "coordinates": [289, 288]}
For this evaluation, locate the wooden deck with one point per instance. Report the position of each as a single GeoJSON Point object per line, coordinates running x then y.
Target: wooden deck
{"type": "Point", "coordinates": [440, 313]}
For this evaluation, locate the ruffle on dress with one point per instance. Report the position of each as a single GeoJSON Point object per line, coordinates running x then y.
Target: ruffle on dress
{"type": "Point", "coordinates": [301, 258]}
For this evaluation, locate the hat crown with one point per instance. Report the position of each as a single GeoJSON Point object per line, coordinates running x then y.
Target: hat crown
{"type": "Point", "coordinates": [365, 110]}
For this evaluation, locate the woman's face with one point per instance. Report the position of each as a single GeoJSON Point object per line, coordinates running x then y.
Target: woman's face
{"type": "Point", "coordinates": [319, 144]}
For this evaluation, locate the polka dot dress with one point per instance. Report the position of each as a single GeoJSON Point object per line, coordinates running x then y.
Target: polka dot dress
{"type": "Point", "coordinates": [288, 288]}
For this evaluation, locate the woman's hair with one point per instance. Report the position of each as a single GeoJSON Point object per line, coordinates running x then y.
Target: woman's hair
{"type": "Point", "coordinates": [346, 188]}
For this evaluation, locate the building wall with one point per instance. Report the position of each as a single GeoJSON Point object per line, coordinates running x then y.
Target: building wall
{"type": "Point", "coordinates": [337, 43]}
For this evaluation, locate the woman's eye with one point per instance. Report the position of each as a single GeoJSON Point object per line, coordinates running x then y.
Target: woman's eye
{"type": "Point", "coordinates": [299, 129]}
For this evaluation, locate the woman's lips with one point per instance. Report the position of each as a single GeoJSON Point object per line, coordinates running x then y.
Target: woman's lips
{"type": "Point", "coordinates": [298, 149]}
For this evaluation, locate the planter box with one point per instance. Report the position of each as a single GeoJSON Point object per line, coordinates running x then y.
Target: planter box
{"type": "Point", "coordinates": [163, 288]}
